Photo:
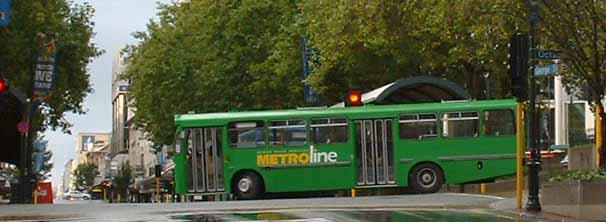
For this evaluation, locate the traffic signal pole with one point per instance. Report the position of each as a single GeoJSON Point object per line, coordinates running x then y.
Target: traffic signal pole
{"type": "Point", "coordinates": [534, 163]}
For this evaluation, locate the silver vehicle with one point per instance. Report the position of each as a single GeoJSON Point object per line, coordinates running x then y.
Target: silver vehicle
{"type": "Point", "coordinates": [76, 195]}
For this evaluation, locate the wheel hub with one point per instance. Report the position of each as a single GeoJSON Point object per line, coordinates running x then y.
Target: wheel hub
{"type": "Point", "coordinates": [427, 177]}
{"type": "Point", "coordinates": [244, 184]}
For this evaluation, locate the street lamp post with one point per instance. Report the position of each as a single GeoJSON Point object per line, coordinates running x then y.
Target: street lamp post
{"type": "Point", "coordinates": [534, 163]}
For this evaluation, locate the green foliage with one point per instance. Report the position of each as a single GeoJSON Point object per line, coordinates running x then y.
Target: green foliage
{"type": "Point", "coordinates": [72, 26]}
{"type": "Point", "coordinates": [84, 176]}
{"type": "Point", "coordinates": [211, 56]}
{"type": "Point", "coordinates": [216, 56]}
{"type": "Point", "coordinates": [123, 179]}
{"type": "Point", "coordinates": [579, 175]}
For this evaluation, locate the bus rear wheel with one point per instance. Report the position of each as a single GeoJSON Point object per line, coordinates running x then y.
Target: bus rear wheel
{"type": "Point", "coordinates": [247, 186]}
{"type": "Point", "coordinates": [426, 178]}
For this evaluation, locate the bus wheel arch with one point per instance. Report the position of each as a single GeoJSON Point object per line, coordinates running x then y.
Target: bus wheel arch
{"type": "Point", "coordinates": [426, 177]}
{"type": "Point", "coordinates": [247, 184]}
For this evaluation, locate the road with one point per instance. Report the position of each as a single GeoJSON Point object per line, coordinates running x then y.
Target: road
{"type": "Point", "coordinates": [430, 207]}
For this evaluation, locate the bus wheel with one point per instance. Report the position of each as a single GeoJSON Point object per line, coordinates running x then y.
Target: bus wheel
{"type": "Point", "coordinates": [247, 186]}
{"type": "Point", "coordinates": [426, 178]}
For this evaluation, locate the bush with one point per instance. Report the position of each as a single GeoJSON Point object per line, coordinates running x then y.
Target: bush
{"type": "Point", "coordinates": [579, 175]}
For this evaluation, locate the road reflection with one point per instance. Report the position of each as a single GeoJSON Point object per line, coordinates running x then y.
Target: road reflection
{"type": "Point", "coordinates": [362, 216]}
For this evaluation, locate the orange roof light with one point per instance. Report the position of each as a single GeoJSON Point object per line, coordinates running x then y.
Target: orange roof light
{"type": "Point", "coordinates": [354, 98]}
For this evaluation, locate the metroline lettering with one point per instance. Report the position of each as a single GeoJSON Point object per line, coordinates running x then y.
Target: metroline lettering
{"type": "Point", "coordinates": [296, 158]}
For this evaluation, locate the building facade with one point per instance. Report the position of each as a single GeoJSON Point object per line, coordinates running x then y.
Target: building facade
{"type": "Point", "coordinates": [67, 176]}
{"type": "Point", "coordinates": [120, 108]}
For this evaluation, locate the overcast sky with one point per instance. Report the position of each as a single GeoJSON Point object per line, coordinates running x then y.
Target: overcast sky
{"type": "Point", "coordinates": [115, 20]}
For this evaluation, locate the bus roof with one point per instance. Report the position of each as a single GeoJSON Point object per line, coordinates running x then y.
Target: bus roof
{"type": "Point", "coordinates": [363, 112]}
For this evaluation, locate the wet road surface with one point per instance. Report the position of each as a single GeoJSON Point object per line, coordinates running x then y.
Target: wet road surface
{"type": "Point", "coordinates": [429, 215]}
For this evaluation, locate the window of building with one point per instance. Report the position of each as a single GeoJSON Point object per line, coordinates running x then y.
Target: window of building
{"type": "Point", "coordinates": [247, 134]}
{"type": "Point", "coordinates": [329, 131]}
{"type": "Point", "coordinates": [287, 133]}
{"type": "Point", "coordinates": [418, 126]}
{"type": "Point", "coordinates": [461, 124]}
{"type": "Point", "coordinates": [499, 123]}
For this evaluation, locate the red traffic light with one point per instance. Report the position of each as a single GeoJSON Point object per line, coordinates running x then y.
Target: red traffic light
{"type": "Point", "coordinates": [3, 86]}
{"type": "Point", "coordinates": [354, 98]}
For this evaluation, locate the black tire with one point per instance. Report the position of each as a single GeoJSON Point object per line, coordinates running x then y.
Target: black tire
{"type": "Point", "coordinates": [426, 178]}
{"type": "Point", "coordinates": [247, 186]}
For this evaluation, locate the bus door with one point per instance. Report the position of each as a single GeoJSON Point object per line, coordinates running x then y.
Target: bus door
{"type": "Point", "coordinates": [205, 159]}
{"type": "Point", "coordinates": [374, 150]}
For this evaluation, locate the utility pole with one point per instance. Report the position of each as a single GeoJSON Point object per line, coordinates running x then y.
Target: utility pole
{"type": "Point", "coordinates": [534, 163]}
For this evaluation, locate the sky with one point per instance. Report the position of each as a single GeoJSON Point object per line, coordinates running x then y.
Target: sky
{"type": "Point", "coordinates": [115, 20]}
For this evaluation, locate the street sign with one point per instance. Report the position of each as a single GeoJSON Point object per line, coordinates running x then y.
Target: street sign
{"type": "Point", "coordinates": [309, 54]}
{"type": "Point", "coordinates": [5, 12]}
{"type": "Point", "coordinates": [546, 70]}
{"type": "Point", "coordinates": [545, 54]}
{"type": "Point", "coordinates": [44, 72]}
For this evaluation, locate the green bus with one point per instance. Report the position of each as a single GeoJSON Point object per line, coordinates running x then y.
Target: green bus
{"type": "Point", "coordinates": [420, 146]}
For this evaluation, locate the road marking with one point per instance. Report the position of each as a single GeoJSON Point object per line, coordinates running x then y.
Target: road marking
{"type": "Point", "coordinates": [478, 195]}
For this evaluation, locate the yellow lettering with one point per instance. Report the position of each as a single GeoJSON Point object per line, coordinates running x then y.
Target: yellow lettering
{"type": "Point", "coordinates": [262, 160]}
{"type": "Point", "coordinates": [304, 158]}
{"type": "Point", "coordinates": [283, 158]}
{"type": "Point", "coordinates": [273, 159]}
{"type": "Point", "coordinates": [292, 159]}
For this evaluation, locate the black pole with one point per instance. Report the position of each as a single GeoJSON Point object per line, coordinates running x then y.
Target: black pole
{"type": "Point", "coordinates": [534, 163]}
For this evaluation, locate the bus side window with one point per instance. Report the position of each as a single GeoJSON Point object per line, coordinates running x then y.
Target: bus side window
{"type": "Point", "coordinates": [499, 122]}
{"type": "Point", "coordinates": [287, 133]}
{"type": "Point", "coordinates": [247, 134]}
{"type": "Point", "coordinates": [418, 126]}
{"type": "Point", "coordinates": [461, 124]}
{"type": "Point", "coordinates": [329, 130]}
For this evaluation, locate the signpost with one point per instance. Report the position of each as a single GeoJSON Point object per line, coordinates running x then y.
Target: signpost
{"type": "Point", "coordinates": [5, 12]}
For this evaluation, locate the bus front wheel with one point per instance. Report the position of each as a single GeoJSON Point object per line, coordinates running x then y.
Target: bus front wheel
{"type": "Point", "coordinates": [247, 186]}
{"type": "Point", "coordinates": [426, 178]}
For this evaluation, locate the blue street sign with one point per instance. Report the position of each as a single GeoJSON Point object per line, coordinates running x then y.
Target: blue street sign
{"type": "Point", "coordinates": [40, 148]}
{"type": "Point", "coordinates": [546, 70]}
{"type": "Point", "coordinates": [309, 53]}
{"type": "Point", "coordinates": [5, 12]}
{"type": "Point", "coordinates": [543, 54]}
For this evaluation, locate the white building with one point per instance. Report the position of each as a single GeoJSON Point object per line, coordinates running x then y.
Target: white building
{"type": "Point", "coordinates": [67, 176]}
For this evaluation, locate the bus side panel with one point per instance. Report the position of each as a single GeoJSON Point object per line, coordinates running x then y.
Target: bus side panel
{"type": "Point", "coordinates": [315, 178]}
{"type": "Point", "coordinates": [474, 160]}
{"type": "Point", "coordinates": [462, 160]}
{"type": "Point", "coordinates": [408, 153]}
{"type": "Point", "coordinates": [181, 173]}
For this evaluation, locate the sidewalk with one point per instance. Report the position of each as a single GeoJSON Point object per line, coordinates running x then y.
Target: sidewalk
{"type": "Point", "coordinates": [510, 205]}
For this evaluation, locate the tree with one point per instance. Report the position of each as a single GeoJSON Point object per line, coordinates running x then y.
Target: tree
{"type": "Point", "coordinates": [366, 44]}
{"type": "Point", "coordinates": [214, 56]}
{"type": "Point", "coordinates": [217, 56]}
{"type": "Point", "coordinates": [72, 26]}
{"type": "Point", "coordinates": [84, 176]}
{"type": "Point", "coordinates": [123, 179]}
{"type": "Point", "coordinates": [578, 30]}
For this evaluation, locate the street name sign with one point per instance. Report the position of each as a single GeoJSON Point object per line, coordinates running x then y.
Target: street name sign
{"type": "Point", "coordinates": [546, 54]}
{"type": "Point", "coordinates": [546, 70]}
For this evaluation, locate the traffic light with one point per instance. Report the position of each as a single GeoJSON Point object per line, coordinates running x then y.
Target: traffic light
{"type": "Point", "coordinates": [3, 86]}
{"type": "Point", "coordinates": [518, 65]}
{"type": "Point", "coordinates": [354, 98]}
